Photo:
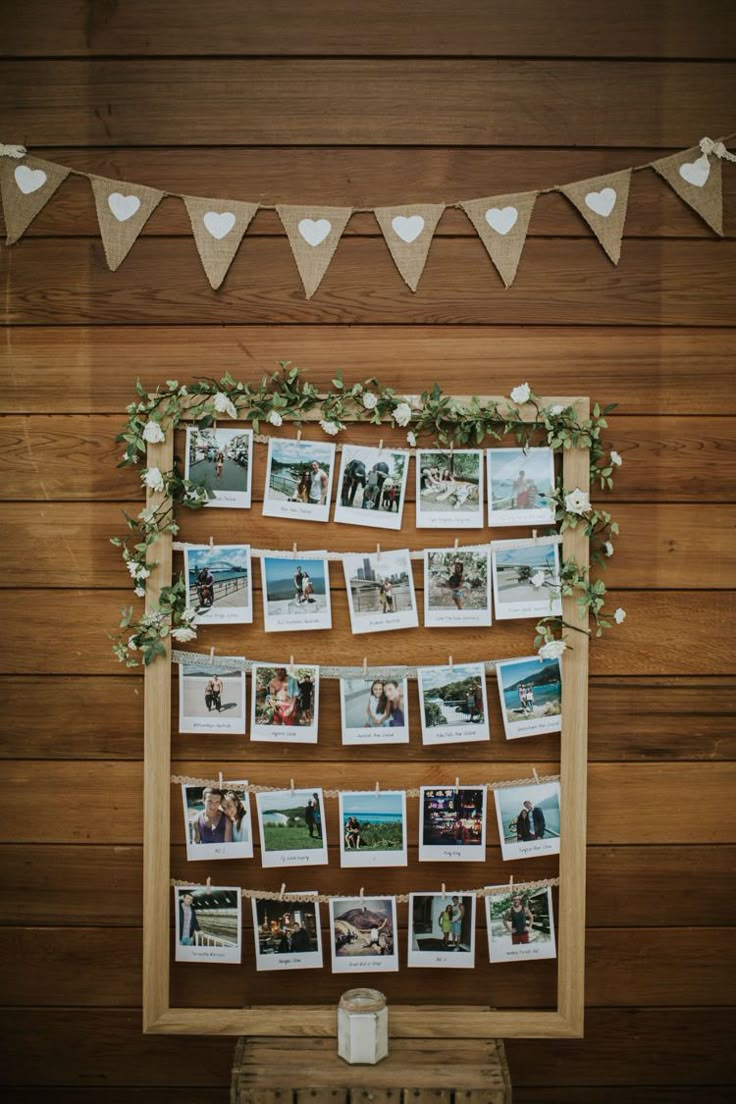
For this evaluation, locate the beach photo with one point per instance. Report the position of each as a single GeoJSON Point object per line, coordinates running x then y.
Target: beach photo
{"type": "Point", "coordinates": [521, 483]}
{"type": "Point", "coordinates": [212, 697]}
{"type": "Point", "coordinates": [363, 933]}
{"type": "Point", "coordinates": [374, 709]}
{"type": "Point", "coordinates": [452, 823]}
{"type": "Point", "coordinates": [217, 821]}
{"type": "Point", "coordinates": [292, 827]}
{"type": "Point", "coordinates": [453, 703]}
{"type": "Point", "coordinates": [207, 924]}
{"type": "Point", "coordinates": [287, 934]}
{"type": "Point", "coordinates": [442, 930]}
{"type": "Point", "coordinates": [371, 487]}
{"type": "Point", "coordinates": [526, 578]}
{"type": "Point", "coordinates": [284, 703]}
{"type": "Point", "coordinates": [531, 696]}
{"type": "Point", "coordinates": [528, 819]}
{"type": "Point", "coordinates": [219, 584]}
{"type": "Point", "coordinates": [380, 588]}
{"type": "Point", "coordinates": [372, 828]}
{"type": "Point", "coordinates": [221, 461]}
{"type": "Point", "coordinates": [520, 924]}
{"type": "Point", "coordinates": [296, 593]}
{"type": "Point", "coordinates": [299, 479]}
{"type": "Point", "coordinates": [457, 587]}
{"type": "Point", "coordinates": [450, 489]}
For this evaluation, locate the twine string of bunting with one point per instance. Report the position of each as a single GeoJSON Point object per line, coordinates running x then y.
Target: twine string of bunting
{"type": "Point", "coordinates": [414, 554]}
{"type": "Point", "coordinates": [185, 780]}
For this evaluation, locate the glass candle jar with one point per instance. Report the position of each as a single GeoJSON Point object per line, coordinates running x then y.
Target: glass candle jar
{"type": "Point", "coordinates": [362, 1026]}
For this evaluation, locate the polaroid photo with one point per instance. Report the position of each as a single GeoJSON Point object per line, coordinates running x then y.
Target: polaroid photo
{"type": "Point", "coordinates": [296, 592]}
{"type": "Point", "coordinates": [450, 489]}
{"type": "Point", "coordinates": [284, 703]}
{"type": "Point", "coordinates": [363, 932]}
{"type": "Point", "coordinates": [442, 930]}
{"type": "Point", "coordinates": [374, 710]}
{"type": "Point", "coordinates": [221, 461]}
{"type": "Point", "coordinates": [219, 584]}
{"type": "Point", "coordinates": [372, 486]}
{"type": "Point", "coordinates": [217, 821]}
{"type": "Point", "coordinates": [528, 819]}
{"type": "Point", "coordinates": [521, 924]}
{"type": "Point", "coordinates": [526, 578]}
{"type": "Point", "coordinates": [521, 485]}
{"type": "Point", "coordinates": [292, 827]}
{"type": "Point", "coordinates": [208, 923]}
{"type": "Point", "coordinates": [212, 697]}
{"type": "Point", "coordinates": [531, 696]}
{"type": "Point", "coordinates": [380, 588]}
{"type": "Point", "coordinates": [452, 824]}
{"type": "Point", "coordinates": [373, 828]}
{"type": "Point", "coordinates": [299, 478]}
{"type": "Point", "coordinates": [453, 703]}
{"type": "Point", "coordinates": [457, 587]}
{"type": "Point", "coordinates": [287, 934]}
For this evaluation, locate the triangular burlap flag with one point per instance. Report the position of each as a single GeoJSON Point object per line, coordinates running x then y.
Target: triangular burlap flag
{"type": "Point", "coordinates": [502, 222]}
{"type": "Point", "coordinates": [123, 209]}
{"type": "Point", "coordinates": [697, 180]}
{"type": "Point", "coordinates": [408, 232]}
{"type": "Point", "coordinates": [26, 189]}
{"type": "Point", "coordinates": [313, 234]}
{"type": "Point", "coordinates": [218, 226]}
{"type": "Point", "coordinates": [602, 201]}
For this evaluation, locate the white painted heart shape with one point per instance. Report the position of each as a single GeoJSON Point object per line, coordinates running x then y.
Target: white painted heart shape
{"type": "Point", "coordinates": [314, 231]}
{"type": "Point", "coordinates": [123, 207]}
{"type": "Point", "coordinates": [408, 229]}
{"type": "Point", "coordinates": [696, 172]}
{"type": "Point", "coordinates": [219, 226]}
{"type": "Point", "coordinates": [601, 202]}
{"type": "Point", "coordinates": [29, 180]}
{"type": "Point", "coordinates": [502, 219]}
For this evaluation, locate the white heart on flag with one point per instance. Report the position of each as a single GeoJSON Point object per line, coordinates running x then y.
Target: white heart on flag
{"type": "Point", "coordinates": [502, 219]}
{"type": "Point", "coordinates": [29, 180]}
{"type": "Point", "coordinates": [601, 202]}
{"type": "Point", "coordinates": [123, 207]}
{"type": "Point", "coordinates": [314, 231]}
{"type": "Point", "coordinates": [219, 226]}
{"type": "Point", "coordinates": [408, 229]}
{"type": "Point", "coordinates": [695, 172]}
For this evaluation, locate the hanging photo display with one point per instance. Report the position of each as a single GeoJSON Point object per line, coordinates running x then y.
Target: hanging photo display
{"type": "Point", "coordinates": [442, 930]}
{"type": "Point", "coordinates": [521, 485]}
{"type": "Point", "coordinates": [299, 478]}
{"type": "Point", "coordinates": [221, 461]}
{"type": "Point", "coordinates": [372, 486]}
{"type": "Point", "coordinates": [526, 578]}
{"type": "Point", "coordinates": [450, 489]}
{"type": "Point", "coordinates": [212, 697]}
{"type": "Point", "coordinates": [284, 703]}
{"type": "Point", "coordinates": [373, 828]}
{"type": "Point", "coordinates": [380, 589]}
{"type": "Point", "coordinates": [521, 924]}
{"type": "Point", "coordinates": [219, 584]}
{"type": "Point", "coordinates": [287, 934]}
{"type": "Point", "coordinates": [296, 592]}
{"type": "Point", "coordinates": [530, 690]}
{"type": "Point", "coordinates": [217, 821]}
{"type": "Point", "coordinates": [292, 827]}
{"type": "Point", "coordinates": [374, 710]}
{"type": "Point", "coordinates": [457, 587]}
{"type": "Point", "coordinates": [207, 924]}
{"type": "Point", "coordinates": [453, 703]}
{"type": "Point", "coordinates": [528, 819]}
{"type": "Point", "coordinates": [452, 823]}
{"type": "Point", "coordinates": [363, 933]}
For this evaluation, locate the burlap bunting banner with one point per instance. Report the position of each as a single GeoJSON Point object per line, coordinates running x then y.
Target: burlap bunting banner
{"type": "Point", "coordinates": [697, 180]}
{"type": "Point", "coordinates": [313, 234]}
{"type": "Point", "coordinates": [218, 226]}
{"type": "Point", "coordinates": [502, 222]}
{"type": "Point", "coordinates": [408, 232]}
{"type": "Point", "coordinates": [26, 189]}
{"type": "Point", "coordinates": [123, 209]}
{"type": "Point", "coordinates": [602, 201]}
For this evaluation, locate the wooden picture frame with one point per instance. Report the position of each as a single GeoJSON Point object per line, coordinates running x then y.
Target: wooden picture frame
{"type": "Point", "coordinates": [405, 1020]}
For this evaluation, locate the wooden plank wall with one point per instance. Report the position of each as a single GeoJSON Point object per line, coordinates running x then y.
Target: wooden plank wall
{"type": "Point", "coordinates": [339, 102]}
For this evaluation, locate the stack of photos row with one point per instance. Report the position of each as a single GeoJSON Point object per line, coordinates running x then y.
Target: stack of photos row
{"type": "Point", "coordinates": [374, 709]}
{"type": "Point", "coordinates": [371, 484]}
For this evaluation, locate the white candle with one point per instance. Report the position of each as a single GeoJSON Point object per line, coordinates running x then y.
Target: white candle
{"type": "Point", "coordinates": [362, 1026]}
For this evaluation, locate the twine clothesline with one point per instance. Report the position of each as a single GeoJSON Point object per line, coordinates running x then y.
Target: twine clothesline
{"type": "Point", "coordinates": [537, 779]}
{"type": "Point", "coordinates": [240, 663]}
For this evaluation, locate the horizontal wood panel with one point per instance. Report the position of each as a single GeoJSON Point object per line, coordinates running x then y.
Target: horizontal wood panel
{"type": "Point", "coordinates": [548, 1094]}
{"type": "Point", "coordinates": [669, 283]}
{"type": "Point", "coordinates": [140, 1094]}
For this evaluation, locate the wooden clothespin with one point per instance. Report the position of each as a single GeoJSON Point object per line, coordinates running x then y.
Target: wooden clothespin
{"type": "Point", "coordinates": [511, 883]}
{"type": "Point", "coordinates": [282, 891]}
{"type": "Point", "coordinates": [534, 535]}
{"type": "Point", "coordinates": [450, 664]}
{"type": "Point", "coordinates": [298, 435]}
{"type": "Point", "coordinates": [378, 787]}
{"type": "Point", "coordinates": [536, 776]}
{"type": "Point", "coordinates": [292, 787]}
{"type": "Point", "coordinates": [444, 891]}
{"type": "Point", "coordinates": [378, 552]}
{"type": "Point", "coordinates": [457, 782]}
{"type": "Point", "coordinates": [291, 665]}
{"type": "Point", "coordinates": [362, 900]}
{"type": "Point", "coordinates": [293, 548]}
{"type": "Point", "coordinates": [212, 654]}
{"type": "Point", "coordinates": [208, 885]}
{"type": "Point", "coordinates": [365, 667]}
{"type": "Point", "coordinates": [220, 783]}
{"type": "Point", "coordinates": [212, 541]}
{"type": "Point", "coordinates": [457, 542]}
{"type": "Point", "coordinates": [380, 445]}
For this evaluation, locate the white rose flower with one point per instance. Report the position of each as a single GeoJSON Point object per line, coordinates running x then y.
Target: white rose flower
{"type": "Point", "coordinates": [412, 439]}
{"type": "Point", "coordinates": [141, 571]}
{"type": "Point", "coordinates": [370, 401]}
{"type": "Point", "coordinates": [153, 479]}
{"type": "Point", "coordinates": [616, 458]}
{"type": "Point", "coordinates": [188, 615]}
{"type": "Point", "coordinates": [608, 549]}
{"type": "Point", "coordinates": [223, 404]}
{"type": "Point", "coordinates": [183, 633]}
{"type": "Point", "coordinates": [132, 567]}
{"type": "Point", "coordinates": [402, 414]}
{"type": "Point", "coordinates": [275, 418]}
{"type": "Point", "coordinates": [619, 615]}
{"type": "Point", "coordinates": [329, 427]}
{"type": "Point", "coordinates": [140, 592]}
{"type": "Point", "coordinates": [153, 433]}
{"type": "Point", "coordinates": [577, 502]}
{"type": "Point", "coordinates": [553, 649]}
{"type": "Point", "coordinates": [521, 393]}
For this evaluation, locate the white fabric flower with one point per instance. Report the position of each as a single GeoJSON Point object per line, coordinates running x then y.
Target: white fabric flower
{"type": "Point", "coordinates": [607, 549]}
{"type": "Point", "coordinates": [153, 479]}
{"type": "Point", "coordinates": [153, 433]}
{"type": "Point", "coordinates": [275, 418]}
{"type": "Point", "coordinates": [577, 502]}
{"type": "Point", "coordinates": [521, 393]}
{"type": "Point", "coordinates": [141, 571]}
{"type": "Point", "coordinates": [183, 633]}
{"type": "Point", "coordinates": [556, 409]}
{"type": "Point", "coordinates": [223, 405]}
{"type": "Point", "coordinates": [616, 458]}
{"type": "Point", "coordinates": [412, 439]}
{"type": "Point", "coordinates": [132, 646]}
{"type": "Point", "coordinates": [329, 427]}
{"type": "Point", "coordinates": [132, 566]}
{"type": "Point", "coordinates": [619, 615]}
{"type": "Point", "coordinates": [553, 649]}
{"type": "Point", "coordinates": [188, 615]}
{"type": "Point", "coordinates": [370, 401]}
{"type": "Point", "coordinates": [537, 580]}
{"type": "Point", "coordinates": [140, 592]}
{"type": "Point", "coordinates": [402, 414]}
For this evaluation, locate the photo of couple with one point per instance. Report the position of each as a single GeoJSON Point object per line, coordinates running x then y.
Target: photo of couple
{"type": "Point", "coordinates": [528, 819]}
{"type": "Point", "coordinates": [441, 929]}
{"type": "Point", "coordinates": [212, 697]}
{"type": "Point", "coordinates": [531, 696]}
{"type": "Point", "coordinates": [299, 479]}
{"type": "Point", "coordinates": [220, 461]}
{"type": "Point", "coordinates": [287, 934]}
{"type": "Point", "coordinates": [374, 710]}
{"type": "Point", "coordinates": [217, 822]}
{"type": "Point", "coordinates": [285, 702]}
{"type": "Point", "coordinates": [296, 593]}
